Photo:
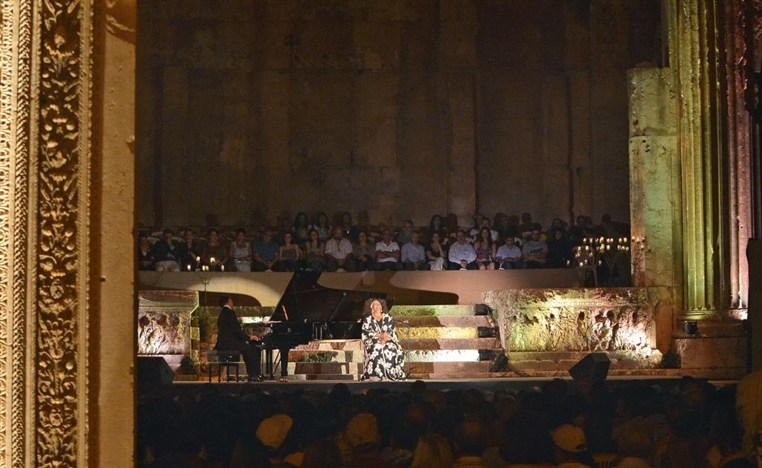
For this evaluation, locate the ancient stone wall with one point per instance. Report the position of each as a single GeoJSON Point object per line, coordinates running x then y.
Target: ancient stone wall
{"type": "Point", "coordinates": [398, 108]}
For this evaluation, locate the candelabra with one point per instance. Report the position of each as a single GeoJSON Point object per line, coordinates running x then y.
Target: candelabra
{"type": "Point", "coordinates": [609, 251]}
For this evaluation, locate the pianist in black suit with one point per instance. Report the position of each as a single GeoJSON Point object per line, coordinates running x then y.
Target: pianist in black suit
{"type": "Point", "coordinates": [230, 337]}
{"type": "Point", "coordinates": [383, 353]}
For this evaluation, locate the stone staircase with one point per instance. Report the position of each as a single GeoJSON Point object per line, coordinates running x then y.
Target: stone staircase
{"type": "Point", "coordinates": [440, 342]}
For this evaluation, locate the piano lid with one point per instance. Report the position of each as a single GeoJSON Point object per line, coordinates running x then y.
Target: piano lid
{"type": "Point", "coordinates": [304, 300]}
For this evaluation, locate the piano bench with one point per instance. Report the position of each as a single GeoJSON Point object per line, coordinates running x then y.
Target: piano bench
{"type": "Point", "coordinates": [220, 359]}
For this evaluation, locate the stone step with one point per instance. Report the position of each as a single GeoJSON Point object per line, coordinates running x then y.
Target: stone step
{"type": "Point", "coordinates": [443, 355]}
{"type": "Point", "coordinates": [323, 368]}
{"type": "Point", "coordinates": [331, 345]}
{"type": "Point", "coordinates": [464, 310]}
{"type": "Point", "coordinates": [451, 368]}
{"type": "Point", "coordinates": [320, 356]}
{"type": "Point", "coordinates": [446, 321]}
{"type": "Point", "coordinates": [451, 343]}
{"type": "Point", "coordinates": [416, 333]}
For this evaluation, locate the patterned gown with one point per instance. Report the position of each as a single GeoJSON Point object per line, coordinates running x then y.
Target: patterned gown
{"type": "Point", "coordinates": [383, 361]}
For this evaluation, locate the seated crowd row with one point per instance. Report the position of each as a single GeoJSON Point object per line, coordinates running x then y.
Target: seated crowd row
{"type": "Point", "coordinates": [347, 247]}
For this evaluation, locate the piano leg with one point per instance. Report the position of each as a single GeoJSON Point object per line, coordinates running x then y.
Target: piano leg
{"type": "Point", "coordinates": [269, 362]}
{"type": "Point", "coordinates": [283, 362]}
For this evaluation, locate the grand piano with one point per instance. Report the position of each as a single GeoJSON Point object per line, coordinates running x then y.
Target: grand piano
{"type": "Point", "coordinates": [308, 312]}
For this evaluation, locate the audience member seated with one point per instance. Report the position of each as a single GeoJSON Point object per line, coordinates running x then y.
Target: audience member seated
{"type": "Point", "coordinates": [403, 237]}
{"type": "Point", "coordinates": [338, 252]}
{"type": "Point", "coordinates": [485, 249]}
{"type": "Point", "coordinates": [559, 249]}
{"type": "Point", "coordinates": [364, 253]}
{"type": "Point", "coordinates": [462, 255]}
{"type": "Point", "coordinates": [363, 223]}
{"type": "Point", "coordinates": [451, 226]}
{"type": "Point", "coordinates": [470, 443]}
{"type": "Point", "coordinates": [436, 225]}
{"type": "Point", "coordinates": [145, 256]}
{"type": "Point", "coordinates": [570, 447]}
{"type": "Point", "coordinates": [509, 256]}
{"type": "Point", "coordinates": [322, 226]}
{"type": "Point", "coordinates": [364, 438]}
{"type": "Point", "coordinates": [214, 254]}
{"type": "Point", "coordinates": [648, 421]}
{"type": "Point", "coordinates": [313, 252]}
{"type": "Point", "coordinates": [273, 433]}
{"type": "Point", "coordinates": [240, 252]}
{"type": "Point", "coordinates": [557, 223]}
{"type": "Point", "coordinates": [500, 225]}
{"type": "Point", "coordinates": [350, 230]}
{"type": "Point", "coordinates": [289, 254]}
{"type": "Point", "coordinates": [432, 451]}
{"type": "Point", "coordinates": [301, 228]}
{"type": "Point", "coordinates": [535, 251]}
{"type": "Point", "coordinates": [473, 233]}
{"type": "Point", "coordinates": [165, 253]}
{"type": "Point", "coordinates": [526, 226]}
{"type": "Point", "coordinates": [436, 253]}
{"type": "Point", "coordinates": [580, 230]}
{"type": "Point", "coordinates": [387, 253]}
{"type": "Point", "coordinates": [265, 252]}
{"type": "Point", "coordinates": [413, 255]}
{"type": "Point", "coordinates": [190, 251]}
{"type": "Point", "coordinates": [484, 222]}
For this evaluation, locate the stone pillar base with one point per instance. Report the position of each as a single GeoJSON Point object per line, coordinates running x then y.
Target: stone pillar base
{"type": "Point", "coordinates": [717, 349]}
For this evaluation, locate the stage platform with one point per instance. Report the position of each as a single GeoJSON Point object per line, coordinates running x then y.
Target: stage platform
{"type": "Point", "coordinates": [512, 384]}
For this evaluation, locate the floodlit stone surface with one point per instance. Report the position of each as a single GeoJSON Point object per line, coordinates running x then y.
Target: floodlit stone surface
{"type": "Point", "coordinates": [576, 319]}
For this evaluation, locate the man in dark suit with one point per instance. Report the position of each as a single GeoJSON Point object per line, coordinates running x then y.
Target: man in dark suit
{"type": "Point", "coordinates": [230, 337]}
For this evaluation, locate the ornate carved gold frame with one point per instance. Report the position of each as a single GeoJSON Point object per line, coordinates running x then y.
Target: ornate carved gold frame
{"type": "Point", "coordinates": [45, 302]}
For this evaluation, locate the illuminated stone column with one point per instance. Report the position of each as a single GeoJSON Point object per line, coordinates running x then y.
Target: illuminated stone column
{"type": "Point", "coordinates": [654, 177]}
{"type": "Point", "coordinates": [693, 56]}
{"type": "Point", "coordinates": [655, 192]}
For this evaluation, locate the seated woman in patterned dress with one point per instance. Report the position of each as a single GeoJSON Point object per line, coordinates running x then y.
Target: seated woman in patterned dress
{"type": "Point", "coordinates": [383, 355]}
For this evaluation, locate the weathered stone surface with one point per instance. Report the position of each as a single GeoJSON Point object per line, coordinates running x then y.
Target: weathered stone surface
{"type": "Point", "coordinates": [712, 353]}
{"type": "Point", "coordinates": [576, 319]}
{"type": "Point", "coordinates": [456, 105]}
{"type": "Point", "coordinates": [164, 322]}
{"type": "Point", "coordinates": [654, 176]}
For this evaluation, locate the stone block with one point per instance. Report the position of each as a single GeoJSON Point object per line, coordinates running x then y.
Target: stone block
{"type": "Point", "coordinates": [653, 108]}
{"type": "Point", "coordinates": [377, 92]}
{"type": "Point", "coordinates": [711, 353]}
{"type": "Point", "coordinates": [601, 319]}
{"type": "Point", "coordinates": [377, 45]}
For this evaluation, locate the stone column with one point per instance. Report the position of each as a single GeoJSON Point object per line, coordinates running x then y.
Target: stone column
{"type": "Point", "coordinates": [655, 191]}
{"type": "Point", "coordinates": [693, 38]}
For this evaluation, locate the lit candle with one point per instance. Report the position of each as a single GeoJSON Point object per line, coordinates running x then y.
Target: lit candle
{"type": "Point", "coordinates": [189, 267]}
{"type": "Point", "coordinates": [222, 267]}
{"type": "Point", "coordinates": [212, 260]}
